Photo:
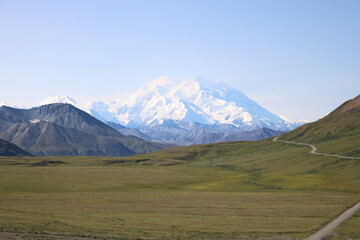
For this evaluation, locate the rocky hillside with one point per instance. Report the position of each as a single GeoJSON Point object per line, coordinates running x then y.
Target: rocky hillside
{"type": "Point", "coordinates": [62, 129]}
{"type": "Point", "coordinates": [9, 149]}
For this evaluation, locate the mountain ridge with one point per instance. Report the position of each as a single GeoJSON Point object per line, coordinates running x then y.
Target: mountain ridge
{"type": "Point", "coordinates": [62, 129]}
{"type": "Point", "coordinates": [9, 149]}
{"type": "Point", "coordinates": [331, 132]}
{"type": "Point", "coordinates": [170, 110]}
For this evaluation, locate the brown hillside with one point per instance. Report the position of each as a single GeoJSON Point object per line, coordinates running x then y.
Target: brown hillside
{"type": "Point", "coordinates": [352, 105]}
{"type": "Point", "coordinates": [337, 132]}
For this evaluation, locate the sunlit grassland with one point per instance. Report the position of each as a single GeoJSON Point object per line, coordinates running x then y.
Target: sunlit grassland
{"type": "Point", "coordinates": [228, 190]}
{"type": "Point", "coordinates": [169, 214]}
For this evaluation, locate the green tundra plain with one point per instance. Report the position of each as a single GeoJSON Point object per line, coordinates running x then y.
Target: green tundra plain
{"type": "Point", "coordinates": [233, 190]}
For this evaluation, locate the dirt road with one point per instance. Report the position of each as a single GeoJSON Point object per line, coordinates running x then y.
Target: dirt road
{"type": "Point", "coordinates": [314, 149]}
{"type": "Point", "coordinates": [327, 230]}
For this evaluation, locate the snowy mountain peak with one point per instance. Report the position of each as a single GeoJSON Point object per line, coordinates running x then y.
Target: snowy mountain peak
{"type": "Point", "coordinates": [166, 83]}
{"type": "Point", "coordinates": [206, 83]}
{"type": "Point", "coordinates": [58, 99]}
{"type": "Point", "coordinates": [160, 81]}
{"type": "Point", "coordinates": [195, 100]}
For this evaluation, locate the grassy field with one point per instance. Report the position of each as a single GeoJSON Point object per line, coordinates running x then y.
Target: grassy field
{"type": "Point", "coordinates": [215, 191]}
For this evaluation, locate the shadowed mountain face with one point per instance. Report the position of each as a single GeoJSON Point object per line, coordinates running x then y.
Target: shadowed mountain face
{"type": "Point", "coordinates": [338, 132]}
{"type": "Point", "coordinates": [9, 149]}
{"type": "Point", "coordinates": [62, 129]}
{"type": "Point", "coordinates": [185, 134]}
{"type": "Point", "coordinates": [239, 136]}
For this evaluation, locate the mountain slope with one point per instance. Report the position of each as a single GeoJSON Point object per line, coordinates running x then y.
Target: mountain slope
{"type": "Point", "coordinates": [338, 132]}
{"type": "Point", "coordinates": [9, 149]}
{"type": "Point", "coordinates": [129, 131]}
{"type": "Point", "coordinates": [62, 129]}
{"type": "Point", "coordinates": [239, 136]}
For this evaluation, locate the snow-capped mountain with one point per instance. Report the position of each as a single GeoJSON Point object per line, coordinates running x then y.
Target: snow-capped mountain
{"type": "Point", "coordinates": [180, 111]}
{"type": "Point", "coordinates": [100, 111]}
{"type": "Point", "coordinates": [195, 100]}
{"type": "Point", "coordinates": [58, 99]}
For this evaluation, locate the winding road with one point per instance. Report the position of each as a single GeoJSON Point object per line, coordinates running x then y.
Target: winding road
{"type": "Point", "coordinates": [327, 230]}
{"type": "Point", "coordinates": [314, 149]}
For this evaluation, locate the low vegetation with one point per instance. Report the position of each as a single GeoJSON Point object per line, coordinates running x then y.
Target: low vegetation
{"type": "Point", "coordinates": [227, 190]}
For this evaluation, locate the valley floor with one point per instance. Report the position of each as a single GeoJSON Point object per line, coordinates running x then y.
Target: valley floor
{"type": "Point", "coordinates": [225, 191]}
{"type": "Point", "coordinates": [171, 214]}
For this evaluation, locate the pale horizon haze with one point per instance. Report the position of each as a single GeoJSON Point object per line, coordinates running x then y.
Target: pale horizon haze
{"type": "Point", "coordinates": [299, 59]}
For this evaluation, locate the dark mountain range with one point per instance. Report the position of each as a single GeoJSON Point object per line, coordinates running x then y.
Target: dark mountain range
{"type": "Point", "coordinates": [62, 129]}
{"type": "Point", "coordinates": [10, 149]}
{"type": "Point", "coordinates": [238, 136]}
{"type": "Point", "coordinates": [130, 131]}
{"type": "Point", "coordinates": [182, 134]}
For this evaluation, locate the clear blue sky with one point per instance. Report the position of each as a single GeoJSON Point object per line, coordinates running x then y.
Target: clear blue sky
{"type": "Point", "coordinates": [297, 58]}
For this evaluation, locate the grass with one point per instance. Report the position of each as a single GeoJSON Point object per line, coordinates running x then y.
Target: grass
{"type": "Point", "coordinates": [227, 190]}
{"type": "Point", "coordinates": [170, 214]}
